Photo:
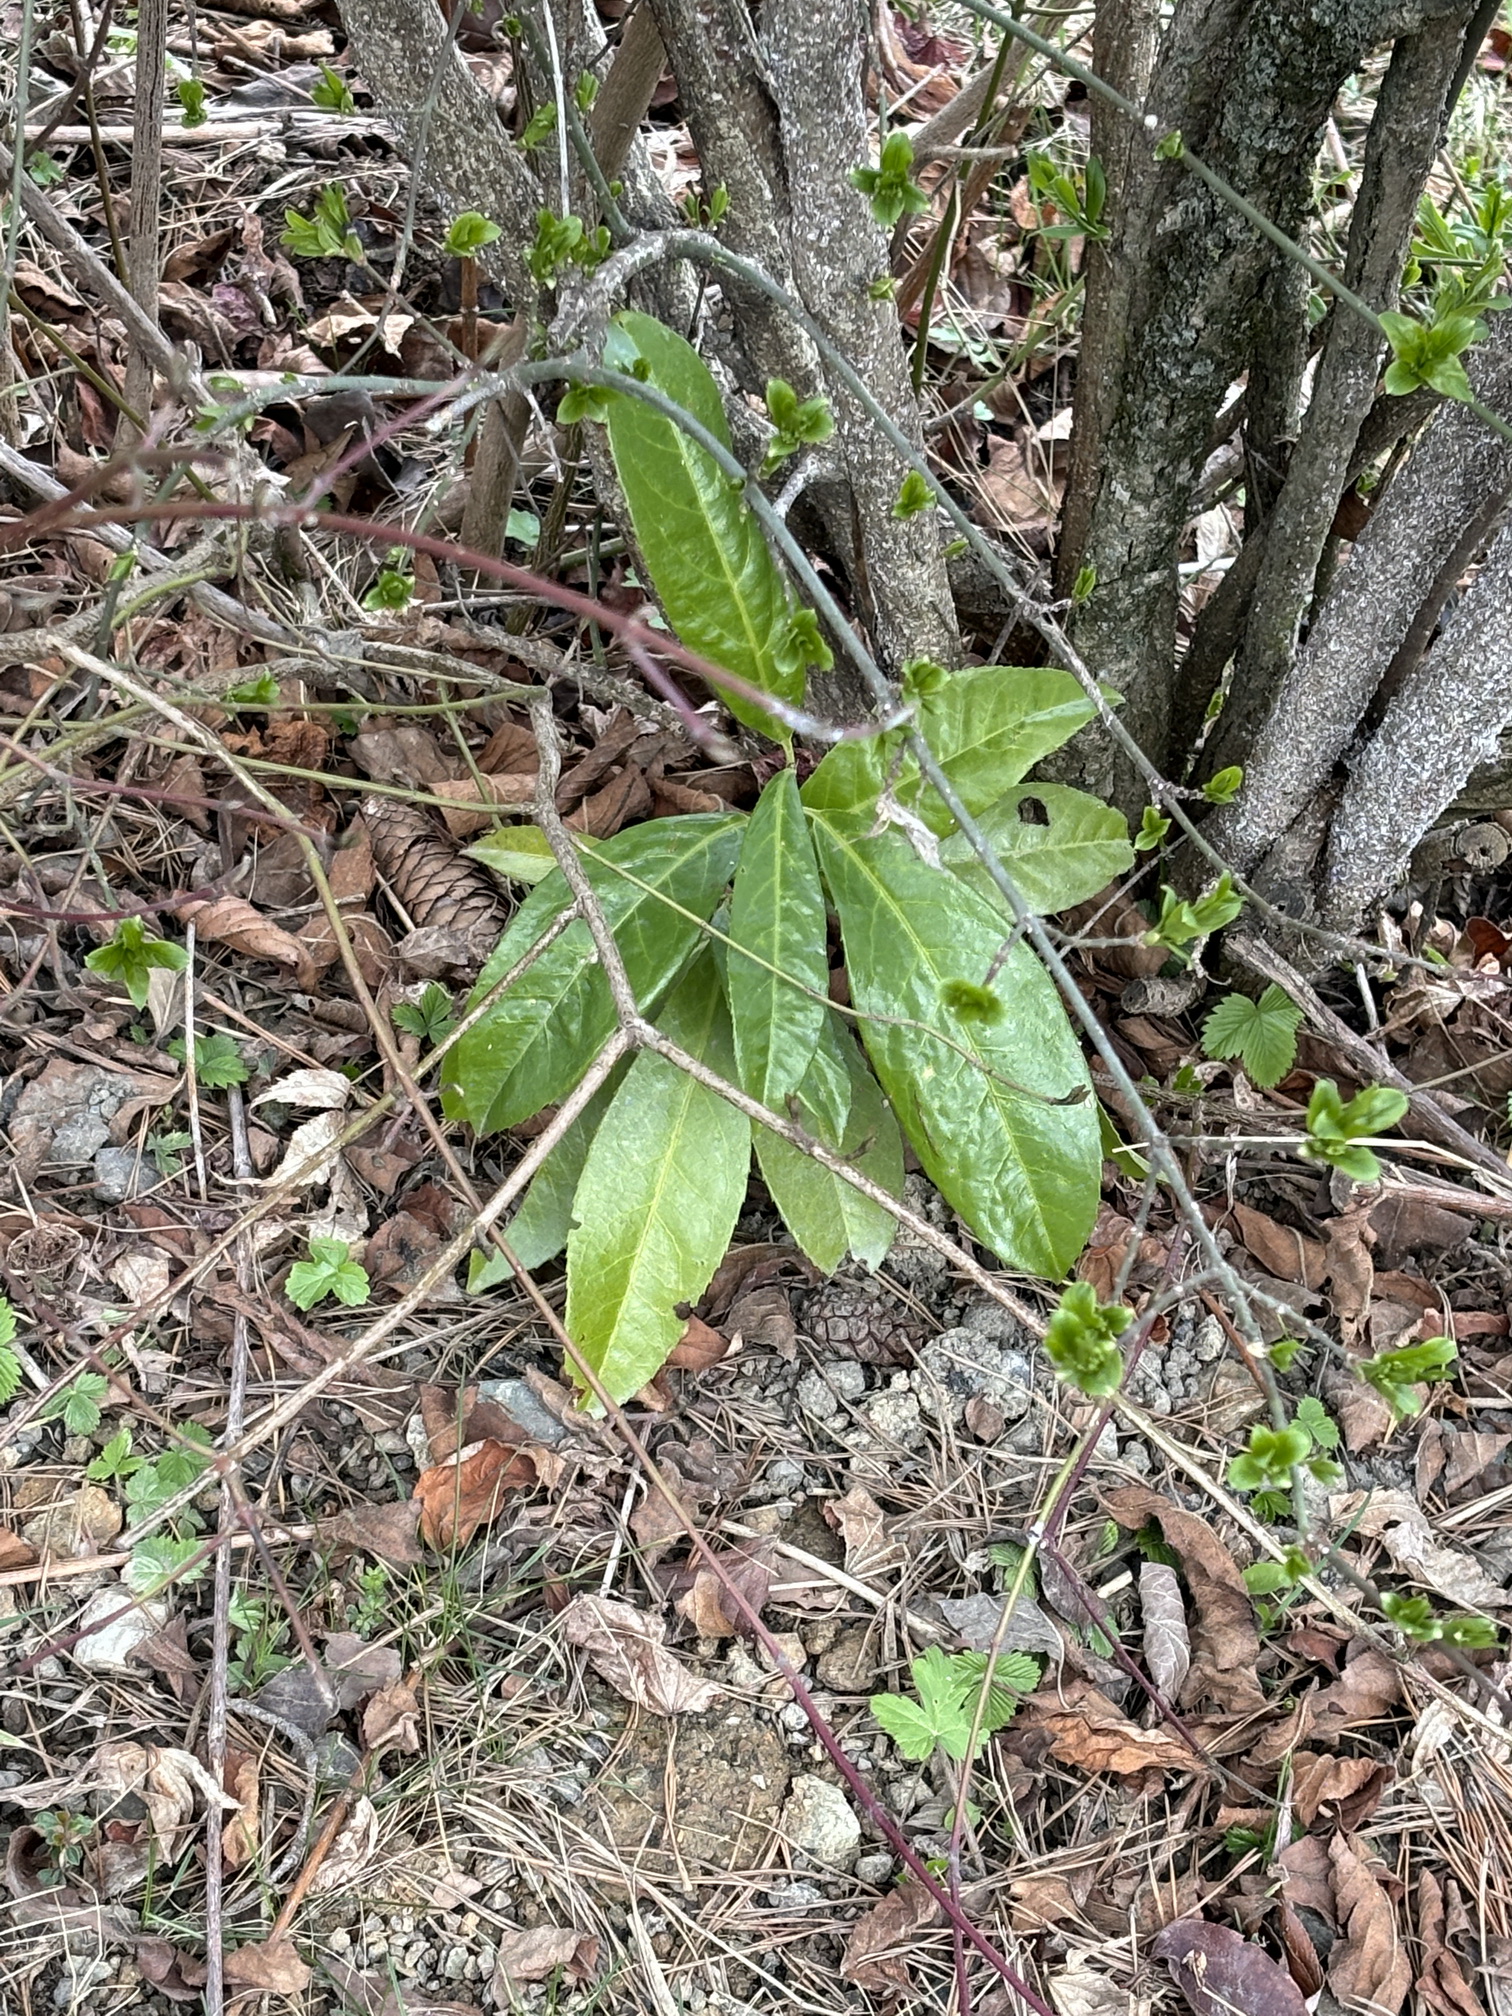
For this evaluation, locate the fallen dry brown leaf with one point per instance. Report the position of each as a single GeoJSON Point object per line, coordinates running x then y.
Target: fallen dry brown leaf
{"type": "Point", "coordinates": [389, 1531]}
{"type": "Point", "coordinates": [1368, 1968]}
{"type": "Point", "coordinates": [351, 1851]}
{"type": "Point", "coordinates": [390, 1721]}
{"type": "Point", "coordinates": [1348, 1788]}
{"type": "Point", "coordinates": [231, 920]}
{"type": "Point", "coordinates": [1441, 1980]}
{"type": "Point", "coordinates": [1167, 1646]}
{"type": "Point", "coordinates": [465, 1491]}
{"type": "Point", "coordinates": [1222, 1974]}
{"type": "Point", "coordinates": [699, 1347]}
{"type": "Point", "coordinates": [1407, 1537]}
{"type": "Point", "coordinates": [536, 1952]}
{"type": "Point", "coordinates": [876, 1954]}
{"type": "Point", "coordinates": [858, 1519]}
{"type": "Point", "coordinates": [625, 1646]}
{"type": "Point", "coordinates": [241, 1833]}
{"type": "Point", "coordinates": [1224, 1638]}
{"type": "Point", "coordinates": [1086, 1730]}
{"type": "Point", "coordinates": [271, 1963]}
{"type": "Point", "coordinates": [1289, 1255]}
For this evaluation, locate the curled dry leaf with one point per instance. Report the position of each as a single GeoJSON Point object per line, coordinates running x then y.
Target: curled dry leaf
{"type": "Point", "coordinates": [1083, 1991]}
{"type": "Point", "coordinates": [1167, 1648]}
{"type": "Point", "coordinates": [881, 1940]}
{"type": "Point", "coordinates": [534, 1954]}
{"type": "Point", "coordinates": [1368, 1968]}
{"type": "Point", "coordinates": [1289, 1255]}
{"type": "Point", "coordinates": [170, 1783]}
{"type": "Point", "coordinates": [1087, 1731]}
{"type": "Point", "coordinates": [1222, 1974]}
{"type": "Point", "coordinates": [858, 1519]}
{"type": "Point", "coordinates": [390, 1720]}
{"type": "Point", "coordinates": [465, 1491]}
{"type": "Point", "coordinates": [269, 1963]}
{"type": "Point", "coordinates": [975, 1620]}
{"type": "Point", "coordinates": [699, 1347]}
{"type": "Point", "coordinates": [350, 1852]}
{"type": "Point", "coordinates": [625, 1646]}
{"type": "Point", "coordinates": [1408, 1538]}
{"type": "Point", "coordinates": [1225, 1643]}
{"type": "Point", "coordinates": [1441, 1916]}
{"type": "Point", "coordinates": [241, 1833]}
{"type": "Point", "coordinates": [231, 920]}
{"type": "Point", "coordinates": [387, 1531]}
{"type": "Point", "coordinates": [1349, 1787]}
{"type": "Point", "coordinates": [317, 1089]}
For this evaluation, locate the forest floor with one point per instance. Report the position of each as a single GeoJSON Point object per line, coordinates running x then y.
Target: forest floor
{"type": "Point", "coordinates": [452, 1777]}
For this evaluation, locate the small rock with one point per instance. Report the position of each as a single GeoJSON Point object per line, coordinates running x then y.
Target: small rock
{"type": "Point", "coordinates": [794, 1896]}
{"type": "Point", "coordinates": [522, 1404]}
{"type": "Point", "coordinates": [118, 1173]}
{"type": "Point", "coordinates": [816, 1397]}
{"type": "Point", "coordinates": [82, 1524]}
{"type": "Point", "coordinates": [963, 1364]}
{"type": "Point", "coordinates": [893, 1417]}
{"type": "Point", "coordinates": [849, 1662]}
{"type": "Point", "coordinates": [874, 1869]}
{"type": "Point", "coordinates": [818, 1822]}
{"type": "Point", "coordinates": [108, 1649]}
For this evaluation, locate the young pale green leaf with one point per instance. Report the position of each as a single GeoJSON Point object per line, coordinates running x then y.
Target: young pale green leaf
{"type": "Point", "coordinates": [987, 728]}
{"type": "Point", "coordinates": [1153, 828]}
{"type": "Point", "coordinates": [983, 1111]}
{"type": "Point", "coordinates": [1060, 846]}
{"type": "Point", "coordinates": [538, 1230]}
{"type": "Point", "coordinates": [537, 1041]}
{"type": "Point", "coordinates": [704, 548]}
{"type": "Point", "coordinates": [777, 915]}
{"type": "Point", "coordinates": [823, 1212]}
{"type": "Point", "coordinates": [658, 1197]}
{"type": "Point", "coordinates": [1268, 1462]}
{"type": "Point", "coordinates": [514, 853]}
{"type": "Point", "coordinates": [1262, 1034]}
{"type": "Point", "coordinates": [10, 1363]}
{"type": "Point", "coordinates": [1081, 1340]}
{"type": "Point", "coordinates": [330, 1270]}
{"type": "Point", "coordinates": [1396, 1375]}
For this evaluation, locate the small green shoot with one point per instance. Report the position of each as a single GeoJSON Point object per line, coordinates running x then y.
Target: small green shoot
{"type": "Point", "coordinates": [797, 423]}
{"type": "Point", "coordinates": [1265, 1578]}
{"type": "Point", "coordinates": [1396, 1375]}
{"type": "Point", "coordinates": [1180, 922]}
{"type": "Point", "coordinates": [332, 93]}
{"type": "Point", "coordinates": [327, 232]}
{"type": "Point", "coordinates": [914, 496]}
{"type": "Point", "coordinates": [1333, 1128]}
{"type": "Point", "coordinates": [130, 956]}
{"type": "Point", "coordinates": [1415, 1618]}
{"type": "Point", "coordinates": [394, 590]}
{"type": "Point", "coordinates": [1153, 828]}
{"type": "Point", "coordinates": [1261, 1034]}
{"type": "Point", "coordinates": [330, 1270]}
{"type": "Point", "coordinates": [260, 692]}
{"type": "Point", "coordinates": [1081, 1340]}
{"type": "Point", "coordinates": [1223, 788]}
{"type": "Point", "coordinates": [467, 234]}
{"type": "Point", "coordinates": [890, 186]}
{"type": "Point", "coordinates": [190, 93]}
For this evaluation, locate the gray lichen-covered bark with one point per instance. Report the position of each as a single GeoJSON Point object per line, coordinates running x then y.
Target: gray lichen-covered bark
{"type": "Point", "coordinates": [1445, 718]}
{"type": "Point", "coordinates": [817, 61]}
{"type": "Point", "coordinates": [1404, 136]}
{"type": "Point", "coordinates": [1458, 470]}
{"type": "Point", "coordinates": [1250, 87]}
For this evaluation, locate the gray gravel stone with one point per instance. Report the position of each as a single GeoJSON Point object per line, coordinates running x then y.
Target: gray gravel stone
{"type": "Point", "coordinates": [874, 1869]}
{"type": "Point", "coordinates": [818, 1821]}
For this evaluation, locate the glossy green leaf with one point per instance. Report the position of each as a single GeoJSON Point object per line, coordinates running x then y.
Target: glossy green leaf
{"type": "Point", "coordinates": [659, 1195]}
{"type": "Point", "coordinates": [776, 914]}
{"type": "Point", "coordinates": [987, 728]}
{"type": "Point", "coordinates": [536, 1042]}
{"type": "Point", "coordinates": [702, 544]}
{"type": "Point", "coordinates": [1060, 846]}
{"type": "Point", "coordinates": [538, 1230]}
{"type": "Point", "coordinates": [1022, 1172]}
{"type": "Point", "coordinates": [824, 1213]}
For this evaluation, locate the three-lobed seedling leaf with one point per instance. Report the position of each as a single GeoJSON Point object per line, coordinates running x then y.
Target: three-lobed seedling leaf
{"type": "Point", "coordinates": [330, 1270]}
{"type": "Point", "coordinates": [1261, 1034]}
{"type": "Point", "coordinates": [130, 956]}
{"type": "Point", "coordinates": [946, 1688]}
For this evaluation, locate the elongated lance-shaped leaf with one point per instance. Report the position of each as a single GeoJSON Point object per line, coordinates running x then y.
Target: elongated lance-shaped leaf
{"type": "Point", "coordinates": [776, 913]}
{"type": "Point", "coordinates": [659, 1195]}
{"type": "Point", "coordinates": [537, 1041]}
{"type": "Point", "coordinates": [826, 1215]}
{"type": "Point", "coordinates": [702, 544]}
{"type": "Point", "coordinates": [986, 727]}
{"type": "Point", "coordinates": [538, 1230]}
{"type": "Point", "coordinates": [1022, 1172]}
{"type": "Point", "coordinates": [1075, 847]}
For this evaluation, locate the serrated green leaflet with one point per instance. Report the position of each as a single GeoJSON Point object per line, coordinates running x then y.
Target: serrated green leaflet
{"type": "Point", "coordinates": [1079, 848]}
{"type": "Point", "coordinates": [986, 727]}
{"type": "Point", "coordinates": [658, 1197]}
{"type": "Point", "coordinates": [536, 1042]}
{"type": "Point", "coordinates": [777, 914]}
{"type": "Point", "coordinates": [826, 1215]}
{"type": "Point", "coordinates": [703, 546]}
{"type": "Point", "coordinates": [538, 1230]}
{"type": "Point", "coordinates": [1024, 1174]}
